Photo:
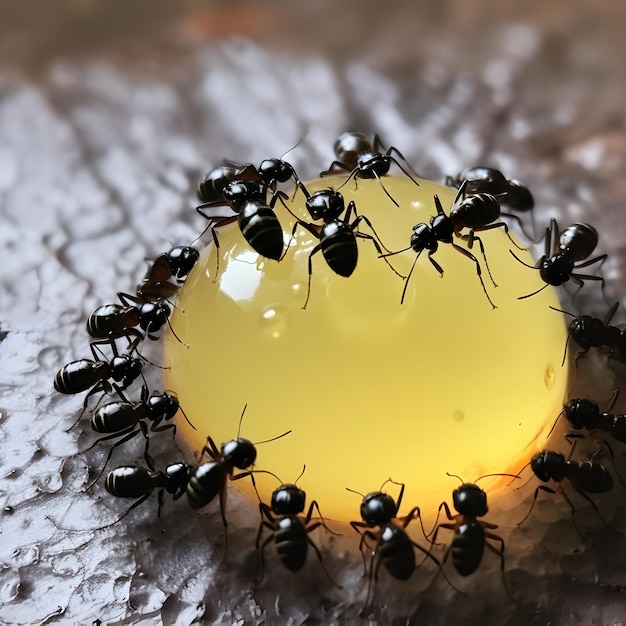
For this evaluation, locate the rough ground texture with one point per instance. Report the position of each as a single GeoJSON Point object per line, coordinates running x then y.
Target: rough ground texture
{"type": "Point", "coordinates": [110, 112]}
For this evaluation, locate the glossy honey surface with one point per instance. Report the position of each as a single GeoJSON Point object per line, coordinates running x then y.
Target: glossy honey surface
{"type": "Point", "coordinates": [371, 388]}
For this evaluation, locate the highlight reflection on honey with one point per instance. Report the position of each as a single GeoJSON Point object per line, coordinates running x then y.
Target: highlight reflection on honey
{"type": "Point", "coordinates": [370, 388]}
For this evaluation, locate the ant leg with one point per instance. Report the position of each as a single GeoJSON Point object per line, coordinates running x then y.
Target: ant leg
{"type": "Point", "coordinates": [500, 553]}
{"type": "Point", "coordinates": [404, 171]}
{"type": "Point", "coordinates": [261, 549]}
{"type": "Point", "coordinates": [506, 230]}
{"type": "Point", "coordinates": [367, 221]}
{"type": "Point", "coordinates": [406, 280]}
{"type": "Point", "coordinates": [129, 434]}
{"type": "Point", "coordinates": [380, 182]}
{"type": "Point", "coordinates": [434, 263]}
{"type": "Point", "coordinates": [411, 515]}
{"type": "Point", "coordinates": [470, 256]}
{"type": "Point", "coordinates": [319, 555]}
{"type": "Point", "coordinates": [470, 242]}
{"type": "Point", "coordinates": [363, 535]}
{"type": "Point", "coordinates": [309, 514]}
{"type": "Point", "coordinates": [210, 449]}
{"type": "Point", "coordinates": [380, 252]}
{"type": "Point", "coordinates": [315, 250]}
{"type": "Point", "coordinates": [279, 196]}
{"type": "Point", "coordinates": [334, 168]}
{"type": "Point", "coordinates": [543, 488]}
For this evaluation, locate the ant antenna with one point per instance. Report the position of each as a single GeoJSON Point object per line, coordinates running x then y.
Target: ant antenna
{"type": "Point", "coordinates": [300, 476]}
{"type": "Point", "coordinates": [245, 406]}
{"type": "Point", "coordinates": [456, 476]}
{"type": "Point", "coordinates": [273, 439]}
{"type": "Point", "coordinates": [180, 408]}
{"type": "Point", "coordinates": [498, 474]}
{"type": "Point", "coordinates": [358, 493]}
{"type": "Point", "coordinates": [554, 425]}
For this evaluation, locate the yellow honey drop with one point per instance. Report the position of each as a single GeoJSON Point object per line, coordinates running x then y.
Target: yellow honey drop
{"type": "Point", "coordinates": [369, 387]}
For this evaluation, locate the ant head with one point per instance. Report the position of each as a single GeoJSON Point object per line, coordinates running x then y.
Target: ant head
{"type": "Point", "coordinates": [181, 260]}
{"type": "Point", "coordinates": [372, 164]}
{"type": "Point", "coordinates": [548, 465]}
{"type": "Point", "coordinates": [125, 369]}
{"type": "Point", "coordinates": [288, 499]}
{"type": "Point", "coordinates": [239, 453]}
{"type": "Point", "coordinates": [275, 170]}
{"type": "Point", "coordinates": [326, 204]}
{"type": "Point", "coordinates": [555, 270]}
{"type": "Point", "coordinates": [581, 412]}
{"type": "Point", "coordinates": [178, 473]}
{"type": "Point", "coordinates": [164, 405]}
{"type": "Point", "coordinates": [469, 499]}
{"type": "Point", "coordinates": [153, 315]}
{"type": "Point", "coordinates": [238, 192]}
{"type": "Point", "coordinates": [378, 508]}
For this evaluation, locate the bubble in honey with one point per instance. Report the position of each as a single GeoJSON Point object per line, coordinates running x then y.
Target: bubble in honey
{"type": "Point", "coordinates": [549, 376]}
{"type": "Point", "coordinates": [273, 321]}
{"type": "Point", "coordinates": [458, 416]}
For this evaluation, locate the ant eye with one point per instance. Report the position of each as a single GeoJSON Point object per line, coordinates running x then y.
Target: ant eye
{"type": "Point", "coordinates": [365, 383]}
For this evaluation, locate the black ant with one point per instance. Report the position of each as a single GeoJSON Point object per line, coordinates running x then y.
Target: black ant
{"type": "Point", "coordinates": [111, 321]}
{"type": "Point", "coordinates": [582, 413]}
{"type": "Point", "coordinates": [288, 529]}
{"type": "Point", "coordinates": [176, 264]}
{"type": "Point", "coordinates": [208, 480]}
{"type": "Point", "coordinates": [84, 374]}
{"type": "Point", "coordinates": [592, 332]}
{"type": "Point", "coordinates": [477, 212]}
{"type": "Point", "coordinates": [563, 250]}
{"type": "Point", "coordinates": [124, 420]}
{"type": "Point", "coordinates": [148, 309]}
{"type": "Point", "coordinates": [202, 483]}
{"type": "Point", "coordinates": [470, 533]}
{"type": "Point", "coordinates": [393, 547]}
{"type": "Point", "coordinates": [492, 181]}
{"type": "Point", "coordinates": [586, 477]}
{"type": "Point", "coordinates": [362, 158]}
{"type": "Point", "coordinates": [337, 236]}
{"type": "Point", "coordinates": [133, 481]}
{"type": "Point", "coordinates": [257, 220]}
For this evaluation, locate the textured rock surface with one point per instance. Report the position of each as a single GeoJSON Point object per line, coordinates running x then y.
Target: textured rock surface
{"type": "Point", "coordinates": [108, 117]}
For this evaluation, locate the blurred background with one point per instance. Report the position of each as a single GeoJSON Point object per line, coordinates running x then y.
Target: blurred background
{"type": "Point", "coordinates": [109, 115]}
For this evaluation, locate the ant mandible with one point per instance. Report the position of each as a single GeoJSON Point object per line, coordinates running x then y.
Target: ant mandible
{"type": "Point", "coordinates": [289, 529]}
{"type": "Point", "coordinates": [337, 236]}
{"type": "Point", "coordinates": [362, 158]}
{"type": "Point", "coordinates": [563, 254]}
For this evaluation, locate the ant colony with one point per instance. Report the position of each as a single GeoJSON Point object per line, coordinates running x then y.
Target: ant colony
{"type": "Point", "coordinates": [379, 334]}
